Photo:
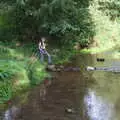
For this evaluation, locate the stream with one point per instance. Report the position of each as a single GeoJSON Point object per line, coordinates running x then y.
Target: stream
{"type": "Point", "coordinates": [83, 95]}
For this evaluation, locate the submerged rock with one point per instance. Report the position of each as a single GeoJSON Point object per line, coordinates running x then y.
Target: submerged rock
{"type": "Point", "coordinates": [55, 68]}
{"type": "Point", "coordinates": [51, 68]}
{"type": "Point", "coordinates": [69, 110]}
{"type": "Point", "coordinates": [68, 69]}
{"type": "Point", "coordinates": [61, 66]}
{"type": "Point", "coordinates": [74, 69]}
{"type": "Point", "coordinates": [58, 69]}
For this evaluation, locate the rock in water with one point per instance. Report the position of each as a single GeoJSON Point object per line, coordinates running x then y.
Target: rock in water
{"type": "Point", "coordinates": [58, 69]}
{"type": "Point", "coordinates": [76, 69]}
{"type": "Point", "coordinates": [51, 68]}
{"type": "Point", "coordinates": [90, 68]}
{"type": "Point", "coordinates": [69, 110]}
{"type": "Point", "coordinates": [61, 66]}
{"type": "Point", "coordinates": [68, 69]}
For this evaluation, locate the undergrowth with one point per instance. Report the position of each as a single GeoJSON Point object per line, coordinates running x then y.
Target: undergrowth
{"type": "Point", "coordinates": [20, 69]}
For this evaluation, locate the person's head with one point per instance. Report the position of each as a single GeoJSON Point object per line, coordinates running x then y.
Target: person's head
{"type": "Point", "coordinates": [43, 39]}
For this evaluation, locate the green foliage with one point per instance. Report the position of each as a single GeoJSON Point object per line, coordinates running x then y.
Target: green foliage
{"type": "Point", "coordinates": [6, 32]}
{"type": "Point", "coordinates": [111, 8]}
{"type": "Point", "coordinates": [62, 55]}
{"type": "Point", "coordinates": [9, 68]}
{"type": "Point", "coordinates": [5, 72]}
{"type": "Point", "coordinates": [5, 91]}
{"type": "Point", "coordinates": [68, 20]}
{"type": "Point", "coordinates": [36, 73]}
{"type": "Point", "coordinates": [15, 75]}
{"type": "Point", "coordinates": [107, 34]}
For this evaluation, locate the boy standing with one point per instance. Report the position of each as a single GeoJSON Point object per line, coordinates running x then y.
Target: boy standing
{"type": "Point", "coordinates": [42, 49]}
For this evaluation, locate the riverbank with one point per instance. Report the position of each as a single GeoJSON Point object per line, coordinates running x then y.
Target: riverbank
{"type": "Point", "coordinates": [20, 70]}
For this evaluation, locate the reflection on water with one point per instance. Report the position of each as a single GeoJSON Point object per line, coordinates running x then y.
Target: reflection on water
{"type": "Point", "coordinates": [97, 108]}
{"type": "Point", "coordinates": [11, 113]}
{"type": "Point", "coordinates": [103, 98]}
{"type": "Point", "coordinates": [7, 115]}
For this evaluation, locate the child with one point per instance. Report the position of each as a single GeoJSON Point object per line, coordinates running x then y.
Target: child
{"type": "Point", "coordinates": [43, 50]}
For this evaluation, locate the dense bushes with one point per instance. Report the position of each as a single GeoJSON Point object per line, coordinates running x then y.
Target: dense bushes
{"type": "Point", "coordinates": [111, 8]}
{"type": "Point", "coordinates": [67, 20]}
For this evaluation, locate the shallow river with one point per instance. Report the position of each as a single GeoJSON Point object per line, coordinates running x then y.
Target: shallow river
{"type": "Point", "coordinates": [84, 95]}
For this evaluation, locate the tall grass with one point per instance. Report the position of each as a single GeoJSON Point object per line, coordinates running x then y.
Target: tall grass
{"type": "Point", "coordinates": [19, 69]}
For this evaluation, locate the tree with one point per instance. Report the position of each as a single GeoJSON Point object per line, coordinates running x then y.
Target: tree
{"type": "Point", "coordinates": [111, 8]}
{"type": "Point", "coordinates": [67, 20]}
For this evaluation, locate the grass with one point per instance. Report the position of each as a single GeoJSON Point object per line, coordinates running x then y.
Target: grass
{"type": "Point", "coordinates": [20, 69]}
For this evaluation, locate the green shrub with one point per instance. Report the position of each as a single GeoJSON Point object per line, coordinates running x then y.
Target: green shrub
{"type": "Point", "coordinates": [5, 91]}
{"type": "Point", "coordinates": [37, 73]}
{"type": "Point", "coordinates": [7, 69]}
{"type": "Point", "coordinates": [12, 73]}
{"type": "Point", "coordinates": [16, 66]}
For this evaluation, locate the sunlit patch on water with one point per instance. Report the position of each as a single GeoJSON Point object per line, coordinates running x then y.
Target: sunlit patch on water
{"type": "Point", "coordinates": [97, 108]}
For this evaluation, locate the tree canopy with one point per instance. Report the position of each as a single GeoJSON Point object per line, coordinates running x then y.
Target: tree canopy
{"type": "Point", "coordinates": [67, 20]}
